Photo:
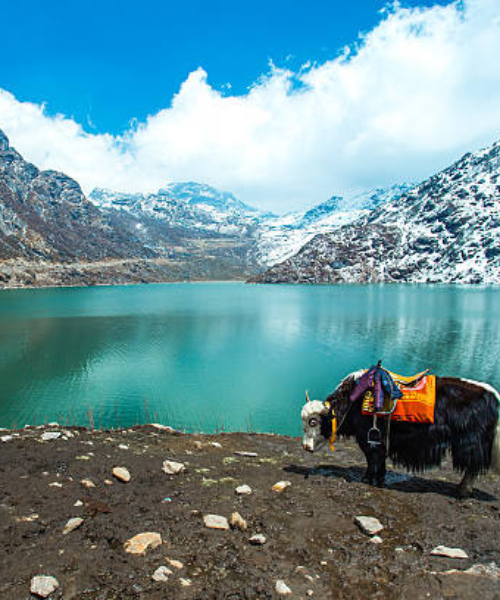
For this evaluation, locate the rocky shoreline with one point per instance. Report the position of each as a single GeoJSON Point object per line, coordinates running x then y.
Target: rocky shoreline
{"type": "Point", "coordinates": [149, 512]}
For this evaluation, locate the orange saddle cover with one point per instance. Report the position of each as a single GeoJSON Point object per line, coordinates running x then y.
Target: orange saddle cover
{"type": "Point", "coordinates": [417, 403]}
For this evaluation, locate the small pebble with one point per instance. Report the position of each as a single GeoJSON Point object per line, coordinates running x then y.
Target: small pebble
{"type": "Point", "coordinates": [243, 490]}
{"type": "Point", "coordinates": [43, 585]}
{"type": "Point", "coordinates": [282, 588]}
{"type": "Point", "coordinates": [258, 539]}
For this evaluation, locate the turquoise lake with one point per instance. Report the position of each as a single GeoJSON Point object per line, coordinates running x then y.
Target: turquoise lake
{"type": "Point", "coordinates": [226, 356]}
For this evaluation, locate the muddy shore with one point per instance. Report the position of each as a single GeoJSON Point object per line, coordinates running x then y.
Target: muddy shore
{"type": "Point", "coordinates": [312, 543]}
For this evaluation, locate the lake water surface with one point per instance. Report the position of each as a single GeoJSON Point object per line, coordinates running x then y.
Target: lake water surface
{"type": "Point", "coordinates": [226, 356]}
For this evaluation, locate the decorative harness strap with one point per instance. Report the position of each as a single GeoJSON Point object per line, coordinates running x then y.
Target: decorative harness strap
{"type": "Point", "coordinates": [333, 435]}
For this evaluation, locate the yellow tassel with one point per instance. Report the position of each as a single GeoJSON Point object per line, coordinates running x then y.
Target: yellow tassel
{"type": "Point", "coordinates": [334, 432]}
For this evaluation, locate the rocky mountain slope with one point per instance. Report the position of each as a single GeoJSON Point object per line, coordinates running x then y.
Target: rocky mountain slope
{"type": "Point", "coordinates": [51, 234]}
{"type": "Point", "coordinates": [446, 229]}
{"type": "Point", "coordinates": [45, 216]}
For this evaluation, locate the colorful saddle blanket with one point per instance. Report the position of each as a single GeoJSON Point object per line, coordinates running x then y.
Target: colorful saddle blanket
{"type": "Point", "coordinates": [416, 404]}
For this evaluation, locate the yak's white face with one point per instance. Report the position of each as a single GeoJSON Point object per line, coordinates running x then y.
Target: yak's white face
{"type": "Point", "coordinates": [311, 424]}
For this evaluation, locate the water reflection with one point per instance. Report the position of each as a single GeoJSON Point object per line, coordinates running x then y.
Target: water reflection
{"type": "Point", "coordinates": [226, 355]}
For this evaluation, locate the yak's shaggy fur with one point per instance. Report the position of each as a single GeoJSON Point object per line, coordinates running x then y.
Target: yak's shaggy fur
{"type": "Point", "coordinates": [466, 423]}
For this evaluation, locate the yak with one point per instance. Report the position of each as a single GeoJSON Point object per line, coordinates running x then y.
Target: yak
{"type": "Point", "coordinates": [466, 423]}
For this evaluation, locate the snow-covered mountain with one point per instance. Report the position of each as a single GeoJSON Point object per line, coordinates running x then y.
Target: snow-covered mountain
{"type": "Point", "coordinates": [200, 208]}
{"type": "Point", "coordinates": [446, 229]}
{"type": "Point", "coordinates": [187, 205]}
{"type": "Point", "coordinates": [281, 237]}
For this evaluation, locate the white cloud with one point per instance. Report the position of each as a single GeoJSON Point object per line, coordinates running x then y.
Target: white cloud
{"type": "Point", "coordinates": [408, 98]}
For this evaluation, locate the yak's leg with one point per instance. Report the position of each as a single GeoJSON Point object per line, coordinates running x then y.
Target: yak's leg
{"type": "Point", "coordinates": [466, 485]}
{"type": "Point", "coordinates": [375, 459]}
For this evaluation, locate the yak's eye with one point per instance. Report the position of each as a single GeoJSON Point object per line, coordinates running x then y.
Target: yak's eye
{"type": "Point", "coordinates": [313, 422]}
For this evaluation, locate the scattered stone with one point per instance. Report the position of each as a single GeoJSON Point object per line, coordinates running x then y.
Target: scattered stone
{"type": "Point", "coordinates": [281, 485]}
{"type": "Point", "coordinates": [163, 427]}
{"type": "Point", "coordinates": [247, 454]}
{"type": "Point", "coordinates": [161, 574]}
{"type": "Point", "coordinates": [55, 484]}
{"type": "Point", "coordinates": [142, 541]}
{"type": "Point", "coordinates": [490, 570]}
{"type": "Point", "coordinates": [6, 438]}
{"type": "Point", "coordinates": [172, 468]}
{"type": "Point", "coordinates": [83, 457]}
{"type": "Point", "coordinates": [243, 490]}
{"type": "Point", "coordinates": [53, 424]}
{"type": "Point", "coordinates": [78, 503]}
{"type": "Point", "coordinates": [258, 539]}
{"type": "Point", "coordinates": [449, 552]}
{"type": "Point", "coordinates": [68, 434]}
{"type": "Point", "coordinates": [122, 474]}
{"type": "Point", "coordinates": [282, 588]}
{"type": "Point", "coordinates": [216, 444]}
{"type": "Point", "coordinates": [215, 522]}
{"type": "Point", "coordinates": [309, 593]}
{"type": "Point", "coordinates": [238, 522]}
{"type": "Point", "coordinates": [88, 483]}
{"type": "Point", "coordinates": [108, 482]}
{"type": "Point", "coordinates": [369, 525]}
{"type": "Point", "coordinates": [43, 585]}
{"type": "Point", "coordinates": [198, 445]}
{"type": "Point", "coordinates": [185, 582]}
{"type": "Point", "coordinates": [376, 539]}
{"type": "Point", "coordinates": [72, 524]}
{"type": "Point", "coordinates": [50, 435]}
{"type": "Point", "coordinates": [123, 446]}
{"type": "Point", "coordinates": [175, 563]}
{"type": "Point", "coordinates": [29, 518]}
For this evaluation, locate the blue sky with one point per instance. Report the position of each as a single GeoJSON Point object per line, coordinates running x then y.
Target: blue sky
{"type": "Point", "coordinates": [106, 62]}
{"type": "Point", "coordinates": [283, 103]}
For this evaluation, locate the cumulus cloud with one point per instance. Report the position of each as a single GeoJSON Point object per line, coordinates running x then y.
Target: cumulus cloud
{"type": "Point", "coordinates": [403, 101]}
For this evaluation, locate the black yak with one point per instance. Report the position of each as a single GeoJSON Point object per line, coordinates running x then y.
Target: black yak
{"type": "Point", "coordinates": [466, 423]}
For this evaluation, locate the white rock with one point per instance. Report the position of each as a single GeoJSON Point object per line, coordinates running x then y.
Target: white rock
{"type": "Point", "coordinates": [78, 503]}
{"type": "Point", "coordinates": [247, 454]}
{"type": "Point", "coordinates": [72, 524]}
{"type": "Point", "coordinates": [53, 424]}
{"type": "Point", "coordinates": [161, 574]}
{"type": "Point", "coordinates": [55, 484]}
{"type": "Point", "coordinates": [369, 525]}
{"type": "Point", "coordinates": [43, 585]}
{"type": "Point", "coordinates": [216, 444]}
{"type": "Point", "coordinates": [215, 522]}
{"type": "Point", "coordinates": [6, 438]}
{"type": "Point", "coordinates": [172, 468]}
{"type": "Point", "coordinates": [175, 563]}
{"type": "Point", "coordinates": [449, 552]}
{"type": "Point", "coordinates": [50, 435]}
{"type": "Point", "coordinates": [185, 582]}
{"type": "Point", "coordinates": [489, 570]}
{"type": "Point", "coordinates": [68, 433]}
{"type": "Point", "coordinates": [163, 427]}
{"type": "Point", "coordinates": [142, 541]}
{"type": "Point", "coordinates": [123, 446]}
{"type": "Point", "coordinates": [376, 539]}
{"type": "Point", "coordinates": [281, 485]}
{"type": "Point", "coordinates": [243, 490]}
{"type": "Point", "coordinates": [309, 593]}
{"type": "Point", "coordinates": [282, 588]}
{"type": "Point", "coordinates": [88, 483]}
{"type": "Point", "coordinates": [122, 474]}
{"type": "Point", "coordinates": [258, 539]}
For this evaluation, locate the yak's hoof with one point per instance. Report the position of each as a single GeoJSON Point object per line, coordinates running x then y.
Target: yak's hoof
{"type": "Point", "coordinates": [381, 483]}
{"type": "Point", "coordinates": [367, 479]}
{"type": "Point", "coordinates": [463, 493]}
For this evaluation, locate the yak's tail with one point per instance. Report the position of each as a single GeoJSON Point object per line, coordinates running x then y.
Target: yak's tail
{"type": "Point", "coordinates": [495, 451]}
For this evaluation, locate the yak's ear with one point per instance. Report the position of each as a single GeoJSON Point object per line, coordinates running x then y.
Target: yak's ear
{"type": "Point", "coordinates": [307, 396]}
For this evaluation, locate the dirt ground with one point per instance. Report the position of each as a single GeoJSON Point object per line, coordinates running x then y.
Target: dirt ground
{"type": "Point", "coordinates": [312, 542]}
